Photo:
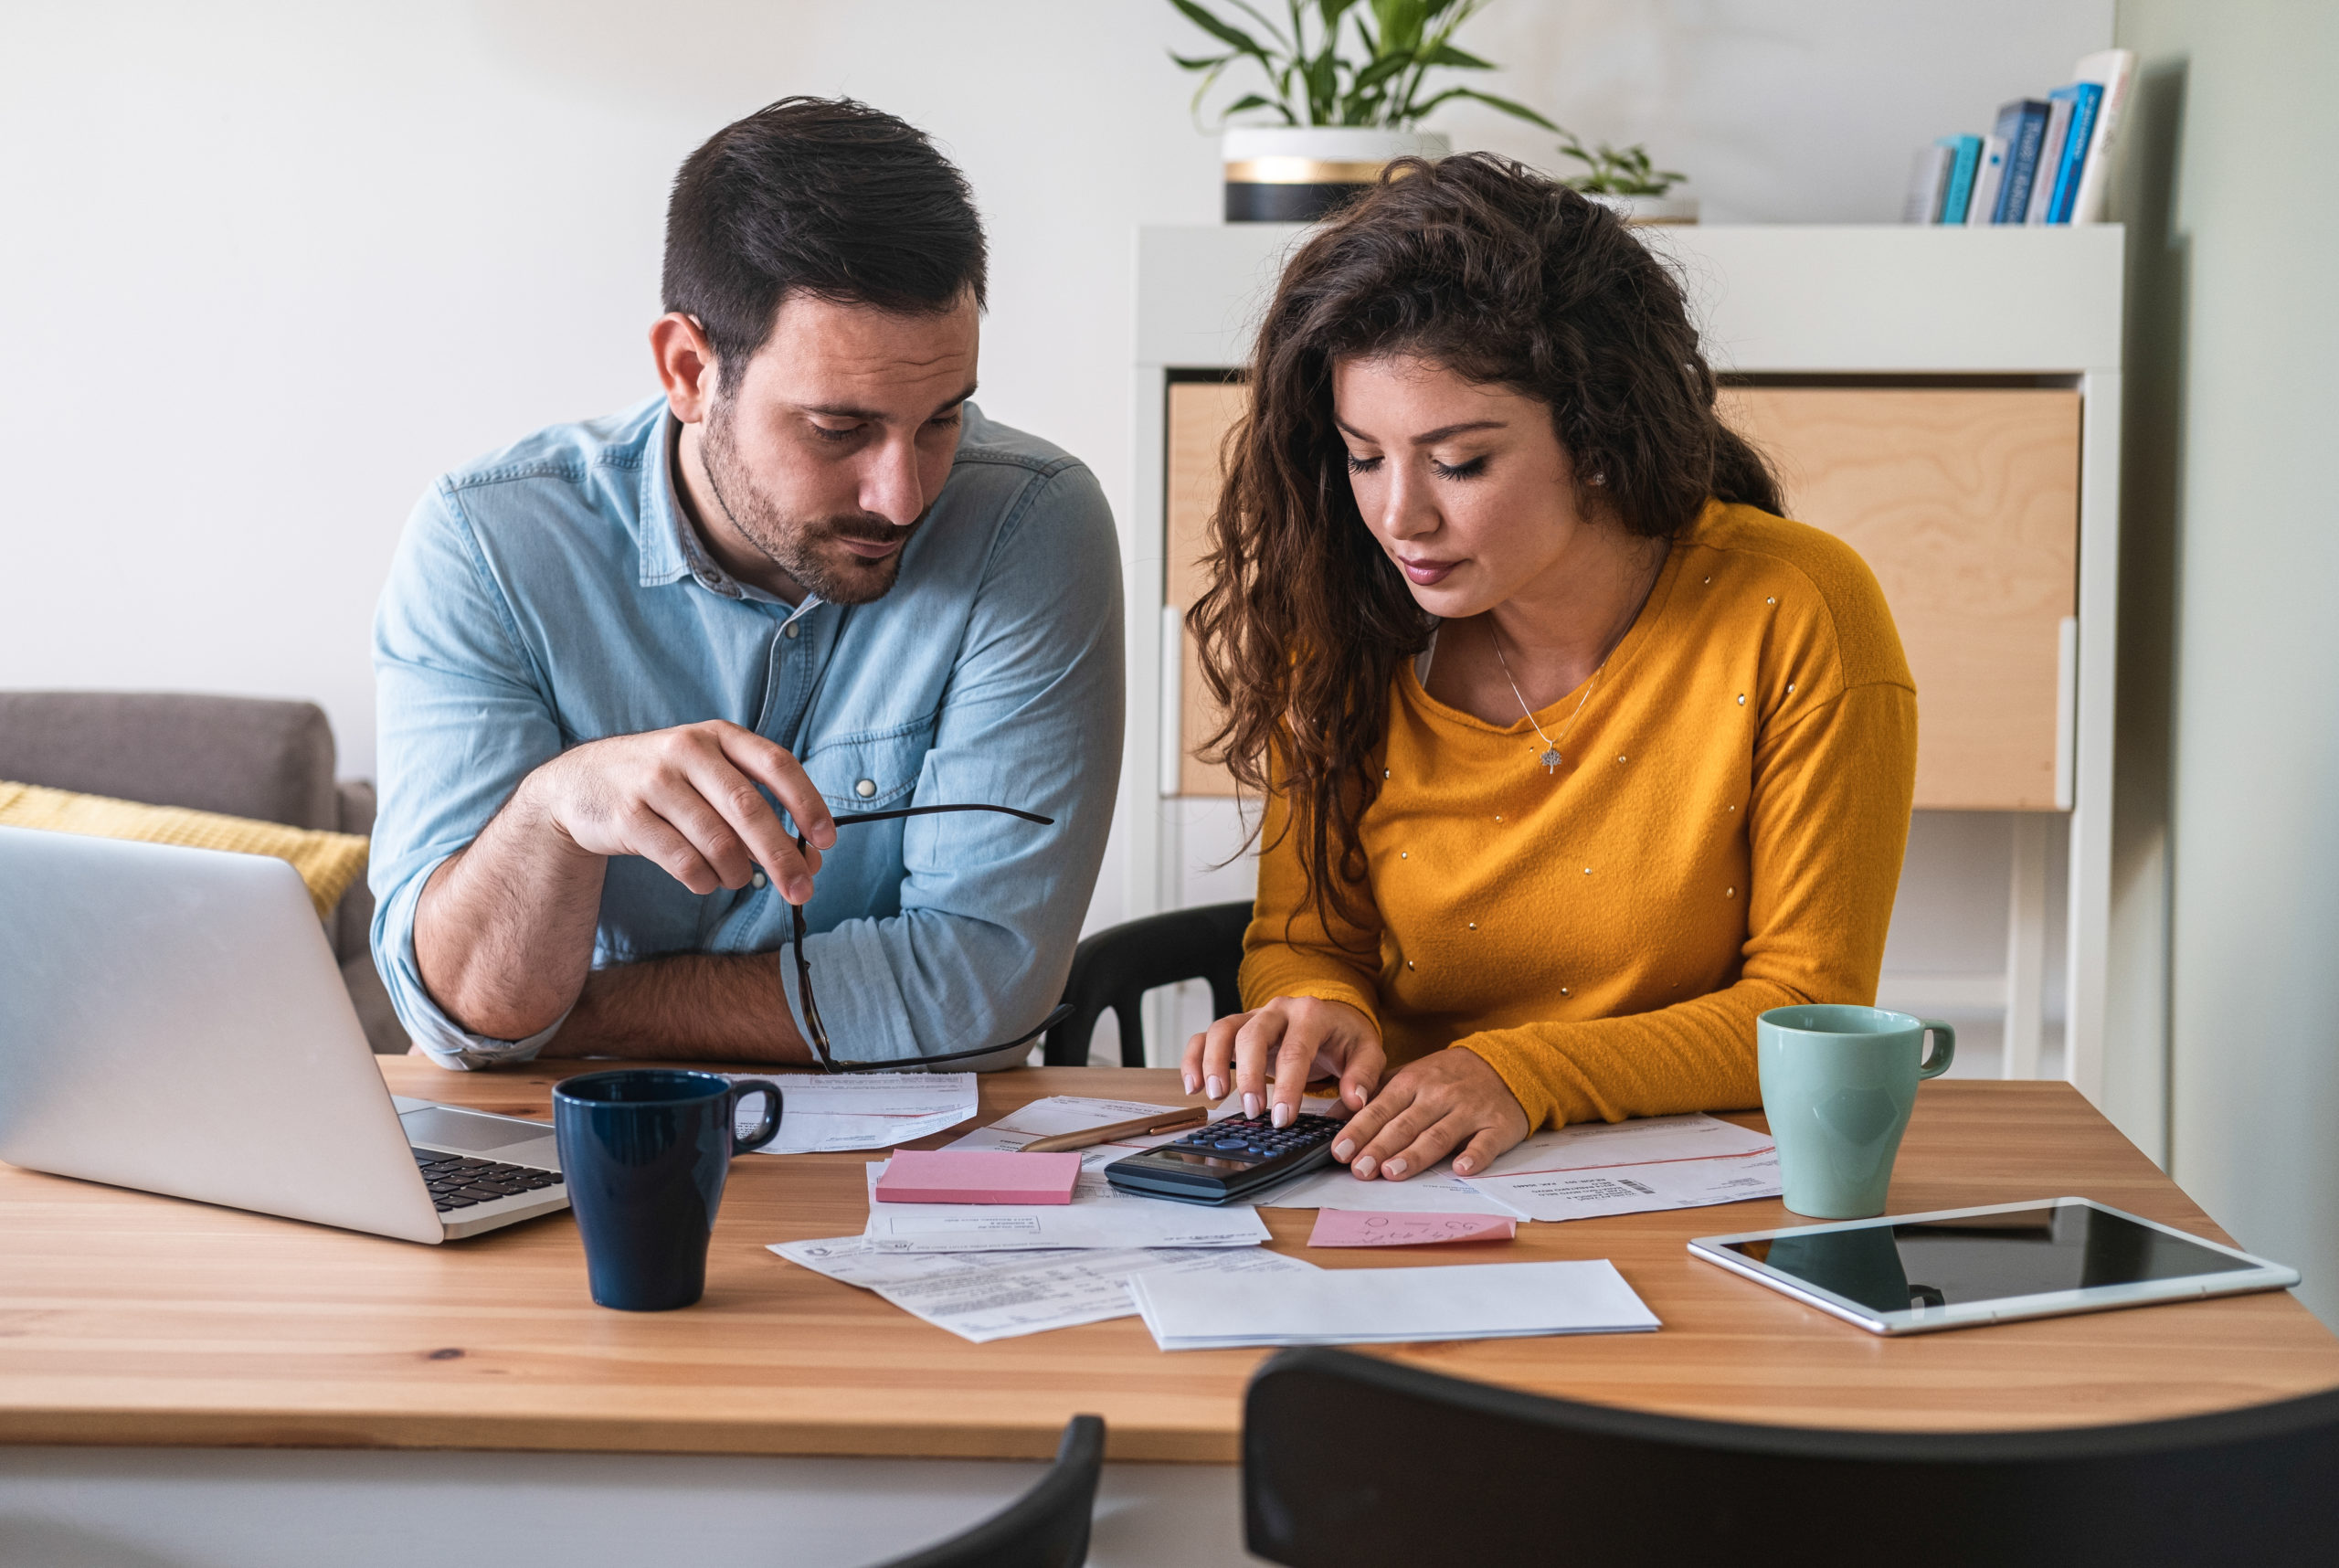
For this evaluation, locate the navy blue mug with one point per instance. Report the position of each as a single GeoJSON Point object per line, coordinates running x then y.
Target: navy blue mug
{"type": "Point", "coordinates": [643, 1154]}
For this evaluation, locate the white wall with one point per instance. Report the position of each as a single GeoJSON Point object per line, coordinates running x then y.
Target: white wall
{"type": "Point", "coordinates": [268, 268]}
{"type": "Point", "coordinates": [2235, 244]}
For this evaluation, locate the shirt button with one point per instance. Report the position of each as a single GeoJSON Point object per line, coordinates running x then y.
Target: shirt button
{"type": "Point", "coordinates": [866, 789]}
{"type": "Point", "coordinates": [788, 632]}
{"type": "Point", "coordinates": [757, 880]}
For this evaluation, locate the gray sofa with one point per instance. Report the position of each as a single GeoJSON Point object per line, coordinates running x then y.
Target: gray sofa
{"type": "Point", "coordinates": [245, 757]}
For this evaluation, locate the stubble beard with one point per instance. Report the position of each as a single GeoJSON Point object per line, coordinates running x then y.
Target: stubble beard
{"type": "Point", "coordinates": [835, 575]}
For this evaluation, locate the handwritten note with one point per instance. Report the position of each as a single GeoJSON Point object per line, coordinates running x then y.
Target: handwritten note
{"type": "Point", "coordinates": [1352, 1227]}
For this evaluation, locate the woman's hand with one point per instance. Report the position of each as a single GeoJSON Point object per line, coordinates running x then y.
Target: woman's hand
{"type": "Point", "coordinates": [1298, 1037]}
{"type": "Point", "coordinates": [1450, 1100]}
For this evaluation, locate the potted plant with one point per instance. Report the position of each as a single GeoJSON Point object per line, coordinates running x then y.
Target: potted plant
{"type": "Point", "coordinates": [1349, 85]}
{"type": "Point", "coordinates": [1625, 179]}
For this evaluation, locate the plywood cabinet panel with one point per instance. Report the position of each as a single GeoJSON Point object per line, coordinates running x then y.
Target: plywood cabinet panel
{"type": "Point", "coordinates": [1201, 413]}
{"type": "Point", "coordinates": [1964, 500]}
{"type": "Point", "coordinates": [1964, 503]}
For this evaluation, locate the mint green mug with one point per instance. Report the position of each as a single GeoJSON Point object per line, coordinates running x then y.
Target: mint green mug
{"type": "Point", "coordinates": [1838, 1083]}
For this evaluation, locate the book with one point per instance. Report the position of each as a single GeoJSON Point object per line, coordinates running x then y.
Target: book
{"type": "Point", "coordinates": [1989, 175]}
{"type": "Point", "coordinates": [2114, 70]}
{"type": "Point", "coordinates": [2050, 158]}
{"type": "Point", "coordinates": [2086, 97]}
{"type": "Point", "coordinates": [1928, 177]}
{"type": "Point", "coordinates": [2023, 125]}
{"type": "Point", "coordinates": [1964, 154]}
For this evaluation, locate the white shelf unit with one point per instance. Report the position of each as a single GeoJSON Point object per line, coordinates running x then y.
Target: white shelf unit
{"type": "Point", "coordinates": [1915, 305]}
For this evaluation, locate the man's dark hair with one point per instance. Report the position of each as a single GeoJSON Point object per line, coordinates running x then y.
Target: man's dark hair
{"type": "Point", "coordinates": [816, 195]}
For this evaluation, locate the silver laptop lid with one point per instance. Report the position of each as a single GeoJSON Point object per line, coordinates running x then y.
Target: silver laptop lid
{"type": "Point", "coordinates": [173, 1020]}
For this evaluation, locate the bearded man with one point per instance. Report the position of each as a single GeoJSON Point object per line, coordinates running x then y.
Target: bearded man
{"type": "Point", "coordinates": [635, 674]}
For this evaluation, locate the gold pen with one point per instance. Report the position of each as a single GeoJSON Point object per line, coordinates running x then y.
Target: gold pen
{"type": "Point", "coordinates": [1136, 1127]}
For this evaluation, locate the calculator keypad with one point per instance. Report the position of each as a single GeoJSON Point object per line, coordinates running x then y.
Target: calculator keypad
{"type": "Point", "coordinates": [1255, 1137]}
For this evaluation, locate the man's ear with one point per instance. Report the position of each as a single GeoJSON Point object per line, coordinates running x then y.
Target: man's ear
{"type": "Point", "coordinates": [687, 366]}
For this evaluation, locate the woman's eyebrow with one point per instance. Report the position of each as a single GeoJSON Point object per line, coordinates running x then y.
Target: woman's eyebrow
{"type": "Point", "coordinates": [1429, 437]}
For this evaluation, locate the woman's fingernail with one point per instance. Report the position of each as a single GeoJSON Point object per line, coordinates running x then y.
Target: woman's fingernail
{"type": "Point", "coordinates": [1363, 1166]}
{"type": "Point", "coordinates": [1344, 1149]}
{"type": "Point", "coordinates": [1462, 1166]}
{"type": "Point", "coordinates": [1189, 1083]}
{"type": "Point", "coordinates": [1217, 1087]}
{"type": "Point", "coordinates": [1355, 1095]}
{"type": "Point", "coordinates": [1395, 1168]}
{"type": "Point", "coordinates": [1250, 1104]}
{"type": "Point", "coordinates": [1281, 1117]}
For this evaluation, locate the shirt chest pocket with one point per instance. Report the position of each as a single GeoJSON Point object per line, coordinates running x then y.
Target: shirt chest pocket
{"type": "Point", "coordinates": [872, 769]}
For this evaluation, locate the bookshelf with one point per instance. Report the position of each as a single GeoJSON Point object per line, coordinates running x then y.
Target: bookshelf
{"type": "Point", "coordinates": [1947, 399]}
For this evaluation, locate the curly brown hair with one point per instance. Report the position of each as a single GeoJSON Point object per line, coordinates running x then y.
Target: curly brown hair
{"type": "Point", "coordinates": [1507, 278]}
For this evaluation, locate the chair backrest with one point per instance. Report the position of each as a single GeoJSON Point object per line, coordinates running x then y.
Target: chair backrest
{"type": "Point", "coordinates": [1113, 969]}
{"type": "Point", "coordinates": [1354, 1461]}
{"type": "Point", "coordinates": [1047, 1526]}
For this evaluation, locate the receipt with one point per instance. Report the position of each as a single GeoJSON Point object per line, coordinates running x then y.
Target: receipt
{"type": "Point", "coordinates": [1097, 1217]}
{"type": "Point", "coordinates": [834, 1113]}
{"type": "Point", "coordinates": [1631, 1167]}
{"type": "Point", "coordinates": [997, 1296]}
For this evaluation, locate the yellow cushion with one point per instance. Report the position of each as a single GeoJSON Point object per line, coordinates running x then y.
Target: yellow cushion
{"type": "Point", "coordinates": [328, 863]}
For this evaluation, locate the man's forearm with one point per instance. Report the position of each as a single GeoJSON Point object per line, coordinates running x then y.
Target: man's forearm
{"type": "Point", "coordinates": [504, 930]}
{"type": "Point", "coordinates": [686, 1007]}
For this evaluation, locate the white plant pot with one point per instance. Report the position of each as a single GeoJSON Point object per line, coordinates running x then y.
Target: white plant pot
{"type": "Point", "coordinates": [1649, 210]}
{"type": "Point", "coordinates": [1296, 175]}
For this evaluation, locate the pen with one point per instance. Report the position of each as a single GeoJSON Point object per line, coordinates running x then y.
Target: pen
{"type": "Point", "coordinates": [1137, 1126]}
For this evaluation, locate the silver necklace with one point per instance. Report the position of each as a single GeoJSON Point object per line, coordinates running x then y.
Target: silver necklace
{"type": "Point", "coordinates": [1551, 759]}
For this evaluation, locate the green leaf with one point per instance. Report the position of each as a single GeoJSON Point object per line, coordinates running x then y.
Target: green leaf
{"type": "Point", "coordinates": [1507, 105]}
{"type": "Point", "coordinates": [1201, 62]}
{"type": "Point", "coordinates": [1447, 55]}
{"type": "Point", "coordinates": [1225, 32]}
{"type": "Point", "coordinates": [1250, 100]}
{"type": "Point", "coordinates": [1379, 71]}
{"type": "Point", "coordinates": [1331, 11]}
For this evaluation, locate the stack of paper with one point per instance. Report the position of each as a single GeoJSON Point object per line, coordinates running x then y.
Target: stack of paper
{"type": "Point", "coordinates": [997, 1296]}
{"type": "Point", "coordinates": [1384, 1305]}
{"type": "Point", "coordinates": [1630, 1168]}
{"type": "Point", "coordinates": [860, 1111]}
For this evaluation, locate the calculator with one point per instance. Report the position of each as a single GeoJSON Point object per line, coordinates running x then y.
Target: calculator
{"type": "Point", "coordinates": [1227, 1161]}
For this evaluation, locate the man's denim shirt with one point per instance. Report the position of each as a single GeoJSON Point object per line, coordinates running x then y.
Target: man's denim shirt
{"type": "Point", "coordinates": [553, 594]}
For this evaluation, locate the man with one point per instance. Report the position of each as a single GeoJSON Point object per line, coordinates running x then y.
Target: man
{"type": "Point", "coordinates": [810, 577]}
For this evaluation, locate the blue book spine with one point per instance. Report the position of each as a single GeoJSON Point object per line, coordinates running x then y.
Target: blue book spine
{"type": "Point", "coordinates": [1965, 157]}
{"type": "Point", "coordinates": [2023, 125]}
{"type": "Point", "coordinates": [2086, 97]}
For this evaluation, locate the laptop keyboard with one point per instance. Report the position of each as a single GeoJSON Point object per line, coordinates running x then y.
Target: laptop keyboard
{"type": "Point", "coordinates": [459, 1181]}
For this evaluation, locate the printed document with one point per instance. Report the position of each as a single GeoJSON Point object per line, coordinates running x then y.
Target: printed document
{"type": "Point", "coordinates": [834, 1114]}
{"type": "Point", "coordinates": [1074, 1113]}
{"type": "Point", "coordinates": [1631, 1167]}
{"type": "Point", "coordinates": [1386, 1305]}
{"type": "Point", "coordinates": [997, 1296]}
{"type": "Point", "coordinates": [1096, 1217]}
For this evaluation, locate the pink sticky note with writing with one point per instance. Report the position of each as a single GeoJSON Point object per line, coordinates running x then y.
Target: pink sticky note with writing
{"type": "Point", "coordinates": [1355, 1227]}
{"type": "Point", "coordinates": [977, 1176]}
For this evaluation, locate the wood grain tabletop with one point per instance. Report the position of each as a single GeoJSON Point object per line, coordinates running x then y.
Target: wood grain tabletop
{"type": "Point", "coordinates": [130, 1318]}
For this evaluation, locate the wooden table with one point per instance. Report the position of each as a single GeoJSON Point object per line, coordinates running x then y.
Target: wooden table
{"type": "Point", "coordinates": [126, 1318]}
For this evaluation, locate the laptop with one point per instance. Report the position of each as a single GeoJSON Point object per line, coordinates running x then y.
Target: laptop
{"type": "Point", "coordinates": [174, 1020]}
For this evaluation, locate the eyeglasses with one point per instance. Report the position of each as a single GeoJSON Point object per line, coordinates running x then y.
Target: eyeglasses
{"type": "Point", "coordinates": [816, 1033]}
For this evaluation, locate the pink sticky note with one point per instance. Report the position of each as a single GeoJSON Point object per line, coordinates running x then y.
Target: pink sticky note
{"type": "Point", "coordinates": [1355, 1227]}
{"type": "Point", "coordinates": [977, 1176]}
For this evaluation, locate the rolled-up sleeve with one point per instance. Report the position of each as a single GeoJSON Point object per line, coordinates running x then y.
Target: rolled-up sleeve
{"type": "Point", "coordinates": [991, 908]}
{"type": "Point", "coordinates": [461, 718]}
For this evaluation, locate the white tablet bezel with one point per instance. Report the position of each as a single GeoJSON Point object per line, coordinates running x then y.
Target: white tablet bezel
{"type": "Point", "coordinates": [2260, 1275]}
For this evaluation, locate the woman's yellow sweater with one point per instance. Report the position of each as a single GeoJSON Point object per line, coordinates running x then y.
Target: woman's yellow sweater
{"type": "Point", "coordinates": [1724, 837]}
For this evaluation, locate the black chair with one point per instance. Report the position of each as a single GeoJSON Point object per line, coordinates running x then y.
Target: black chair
{"type": "Point", "coordinates": [1115, 969]}
{"type": "Point", "coordinates": [1047, 1526]}
{"type": "Point", "coordinates": [1352, 1461]}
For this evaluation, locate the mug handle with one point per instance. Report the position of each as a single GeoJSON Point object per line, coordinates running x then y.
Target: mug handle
{"type": "Point", "coordinates": [1944, 1051]}
{"type": "Point", "coordinates": [766, 1130]}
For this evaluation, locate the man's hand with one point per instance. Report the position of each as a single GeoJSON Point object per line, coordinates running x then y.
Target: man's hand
{"type": "Point", "coordinates": [685, 798]}
{"type": "Point", "coordinates": [503, 932]}
{"type": "Point", "coordinates": [1291, 1039]}
{"type": "Point", "coordinates": [1450, 1100]}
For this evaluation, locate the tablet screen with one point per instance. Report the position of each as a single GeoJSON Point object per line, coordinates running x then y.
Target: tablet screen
{"type": "Point", "coordinates": [1985, 1258]}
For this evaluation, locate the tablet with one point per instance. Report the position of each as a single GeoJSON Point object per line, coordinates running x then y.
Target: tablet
{"type": "Point", "coordinates": [1956, 1268]}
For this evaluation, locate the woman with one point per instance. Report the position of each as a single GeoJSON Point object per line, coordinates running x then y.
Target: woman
{"type": "Point", "coordinates": [1576, 754]}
